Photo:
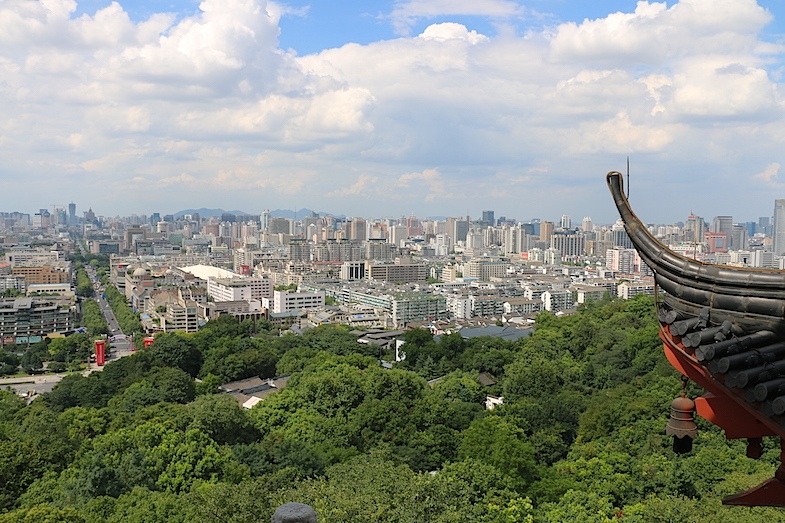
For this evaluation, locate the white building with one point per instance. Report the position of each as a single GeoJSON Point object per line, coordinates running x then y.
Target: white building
{"type": "Point", "coordinates": [459, 306]}
{"type": "Point", "coordinates": [235, 289]}
{"type": "Point", "coordinates": [627, 290]}
{"type": "Point", "coordinates": [285, 301]}
{"type": "Point", "coordinates": [555, 300]}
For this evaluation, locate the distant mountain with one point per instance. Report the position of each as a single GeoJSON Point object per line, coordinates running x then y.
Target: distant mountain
{"type": "Point", "coordinates": [277, 213]}
{"type": "Point", "coordinates": [288, 213]}
{"type": "Point", "coordinates": [207, 213]}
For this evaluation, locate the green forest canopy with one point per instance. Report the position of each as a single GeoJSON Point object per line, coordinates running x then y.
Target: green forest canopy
{"type": "Point", "coordinates": [580, 436]}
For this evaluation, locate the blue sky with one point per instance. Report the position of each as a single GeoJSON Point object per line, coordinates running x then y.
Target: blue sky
{"type": "Point", "coordinates": [314, 26]}
{"type": "Point", "coordinates": [371, 108]}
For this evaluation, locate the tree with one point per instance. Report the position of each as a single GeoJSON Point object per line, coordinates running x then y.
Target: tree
{"type": "Point", "coordinates": [43, 514]}
{"type": "Point", "coordinates": [177, 350]}
{"type": "Point", "coordinates": [496, 442]}
{"type": "Point", "coordinates": [223, 419]}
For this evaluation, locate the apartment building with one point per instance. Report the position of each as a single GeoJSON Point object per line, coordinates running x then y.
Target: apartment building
{"type": "Point", "coordinates": [484, 269]}
{"type": "Point", "coordinates": [627, 290]}
{"type": "Point", "coordinates": [285, 301]}
{"type": "Point", "coordinates": [232, 289]}
{"type": "Point", "coordinates": [400, 271]}
{"type": "Point", "coordinates": [45, 274]}
{"type": "Point", "coordinates": [555, 300]}
{"type": "Point", "coordinates": [23, 318]}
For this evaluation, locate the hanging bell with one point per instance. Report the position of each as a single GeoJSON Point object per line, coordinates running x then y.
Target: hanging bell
{"type": "Point", "coordinates": [682, 425]}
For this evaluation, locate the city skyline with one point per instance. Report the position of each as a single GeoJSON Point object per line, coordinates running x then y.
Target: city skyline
{"type": "Point", "coordinates": [298, 215]}
{"type": "Point", "coordinates": [379, 108]}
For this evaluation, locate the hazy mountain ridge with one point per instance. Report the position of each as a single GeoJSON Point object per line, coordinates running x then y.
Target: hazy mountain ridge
{"type": "Point", "coordinates": [277, 213]}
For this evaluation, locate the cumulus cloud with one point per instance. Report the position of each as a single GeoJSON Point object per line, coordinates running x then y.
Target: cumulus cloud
{"type": "Point", "coordinates": [407, 13]}
{"type": "Point", "coordinates": [209, 104]}
{"type": "Point", "coordinates": [364, 185]}
{"type": "Point", "coordinates": [180, 179]}
{"type": "Point", "coordinates": [451, 31]}
{"type": "Point", "coordinates": [770, 176]}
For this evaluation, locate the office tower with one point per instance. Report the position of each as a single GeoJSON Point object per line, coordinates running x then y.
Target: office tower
{"type": "Point", "coordinates": [566, 221]}
{"type": "Point", "coordinates": [72, 213]}
{"type": "Point", "coordinates": [279, 225]}
{"type": "Point", "coordinates": [357, 230]}
{"type": "Point", "coordinates": [546, 231]}
{"type": "Point", "coordinates": [764, 225]}
{"type": "Point", "coordinates": [460, 229]}
{"type": "Point", "coordinates": [739, 237]}
{"type": "Point", "coordinates": [778, 227]}
{"type": "Point", "coordinates": [568, 244]}
{"type": "Point", "coordinates": [264, 220]}
{"type": "Point", "coordinates": [414, 226]}
{"type": "Point", "coordinates": [488, 217]}
{"type": "Point", "coordinates": [724, 224]}
{"type": "Point", "coordinates": [398, 233]}
{"type": "Point", "coordinates": [619, 237]}
{"type": "Point", "coordinates": [694, 229]}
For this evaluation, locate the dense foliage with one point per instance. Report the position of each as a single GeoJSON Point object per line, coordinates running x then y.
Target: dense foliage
{"type": "Point", "coordinates": [84, 286]}
{"type": "Point", "coordinates": [93, 319]}
{"type": "Point", "coordinates": [126, 318]}
{"type": "Point", "coordinates": [580, 436]}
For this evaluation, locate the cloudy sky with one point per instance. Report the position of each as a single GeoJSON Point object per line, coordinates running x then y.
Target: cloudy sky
{"type": "Point", "coordinates": [387, 108]}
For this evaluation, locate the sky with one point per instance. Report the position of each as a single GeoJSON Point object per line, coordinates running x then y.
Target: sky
{"type": "Point", "coordinates": [390, 108]}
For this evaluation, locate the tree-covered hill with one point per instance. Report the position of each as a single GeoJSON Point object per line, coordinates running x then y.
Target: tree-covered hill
{"type": "Point", "coordinates": [580, 436]}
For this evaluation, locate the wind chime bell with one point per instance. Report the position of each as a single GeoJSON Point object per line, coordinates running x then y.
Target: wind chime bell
{"type": "Point", "coordinates": [682, 425]}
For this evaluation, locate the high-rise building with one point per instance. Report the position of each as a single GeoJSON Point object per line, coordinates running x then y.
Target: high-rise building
{"type": "Point", "coordinates": [619, 236]}
{"type": "Point", "coordinates": [566, 221]}
{"type": "Point", "coordinates": [279, 225]}
{"type": "Point", "coordinates": [586, 224]}
{"type": "Point", "coordinates": [739, 237]}
{"type": "Point", "coordinates": [764, 225]}
{"type": "Point", "coordinates": [460, 230]}
{"type": "Point", "coordinates": [568, 244]}
{"type": "Point", "coordinates": [414, 226]}
{"type": "Point", "coordinates": [546, 231]}
{"type": "Point", "coordinates": [72, 213]}
{"type": "Point", "coordinates": [358, 229]}
{"type": "Point", "coordinates": [488, 217]}
{"type": "Point", "coordinates": [724, 224]}
{"type": "Point", "coordinates": [778, 227]}
{"type": "Point", "coordinates": [694, 229]}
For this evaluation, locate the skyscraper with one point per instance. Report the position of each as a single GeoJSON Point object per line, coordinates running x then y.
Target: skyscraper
{"type": "Point", "coordinates": [546, 230]}
{"type": "Point", "coordinates": [694, 229]}
{"type": "Point", "coordinates": [778, 227]}
{"type": "Point", "coordinates": [264, 220]}
{"type": "Point", "coordinates": [724, 224]}
{"type": "Point", "coordinates": [358, 230]}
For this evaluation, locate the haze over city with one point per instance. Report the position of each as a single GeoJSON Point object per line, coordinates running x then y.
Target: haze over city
{"type": "Point", "coordinates": [430, 108]}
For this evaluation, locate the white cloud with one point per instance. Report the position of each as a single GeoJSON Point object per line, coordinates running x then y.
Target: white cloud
{"type": "Point", "coordinates": [452, 31]}
{"type": "Point", "coordinates": [655, 34]}
{"type": "Point", "coordinates": [365, 185]}
{"type": "Point", "coordinates": [209, 106]}
{"type": "Point", "coordinates": [407, 13]}
{"type": "Point", "coordinates": [770, 176]}
{"type": "Point", "coordinates": [179, 180]}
